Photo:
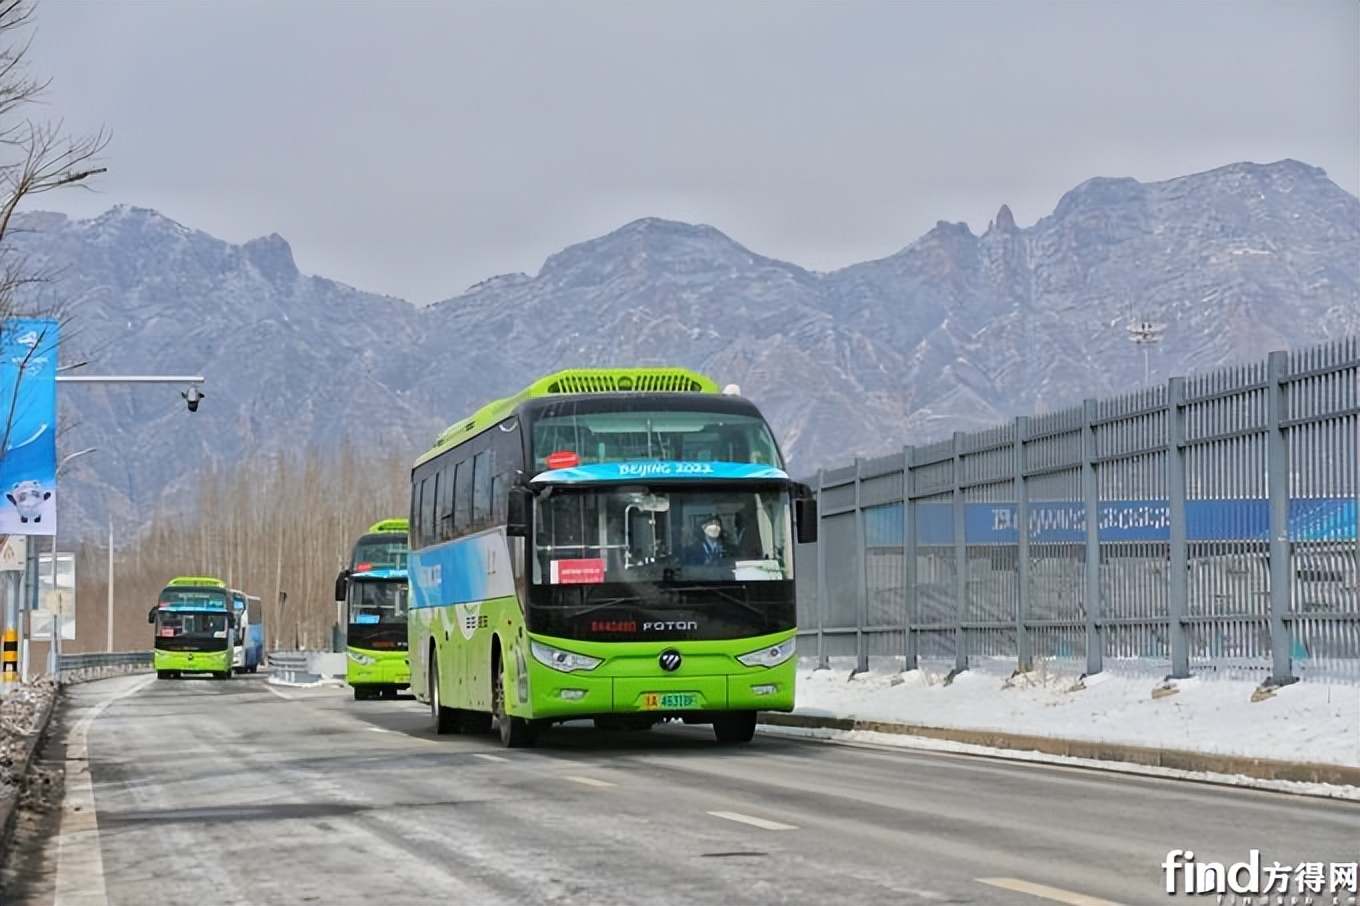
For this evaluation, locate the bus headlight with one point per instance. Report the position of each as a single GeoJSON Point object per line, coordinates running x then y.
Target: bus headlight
{"type": "Point", "coordinates": [771, 656]}
{"type": "Point", "coordinates": [361, 659]}
{"type": "Point", "coordinates": [564, 661]}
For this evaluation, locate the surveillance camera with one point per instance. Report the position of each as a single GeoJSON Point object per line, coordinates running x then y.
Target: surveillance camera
{"type": "Point", "coordinates": [192, 397]}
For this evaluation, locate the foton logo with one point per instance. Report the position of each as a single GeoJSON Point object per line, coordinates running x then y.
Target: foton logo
{"type": "Point", "coordinates": [613, 626]}
{"type": "Point", "coordinates": [662, 626]}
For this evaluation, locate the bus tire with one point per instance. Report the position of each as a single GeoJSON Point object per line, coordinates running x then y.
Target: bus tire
{"type": "Point", "coordinates": [515, 732]}
{"type": "Point", "coordinates": [162, 674]}
{"type": "Point", "coordinates": [734, 726]}
{"type": "Point", "coordinates": [446, 720]}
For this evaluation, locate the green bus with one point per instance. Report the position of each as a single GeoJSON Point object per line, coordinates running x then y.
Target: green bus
{"type": "Point", "coordinates": [195, 628]}
{"type": "Point", "coordinates": [607, 544]}
{"type": "Point", "coordinates": [373, 592]}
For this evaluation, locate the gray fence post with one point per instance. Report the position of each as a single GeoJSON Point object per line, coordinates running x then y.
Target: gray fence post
{"type": "Point", "coordinates": [861, 577]}
{"type": "Point", "coordinates": [822, 662]}
{"type": "Point", "coordinates": [909, 575]}
{"type": "Point", "coordinates": [960, 561]}
{"type": "Point", "coordinates": [1177, 592]}
{"type": "Point", "coordinates": [1277, 487]}
{"type": "Point", "coordinates": [1090, 492]}
{"type": "Point", "coordinates": [1024, 654]}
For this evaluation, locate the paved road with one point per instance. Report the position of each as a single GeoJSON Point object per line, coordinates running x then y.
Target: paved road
{"type": "Point", "coordinates": [242, 792]}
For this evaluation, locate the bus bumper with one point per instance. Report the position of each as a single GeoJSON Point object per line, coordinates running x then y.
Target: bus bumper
{"type": "Point", "coordinates": [370, 668]}
{"type": "Point", "coordinates": [564, 696]}
{"type": "Point", "coordinates": [192, 661]}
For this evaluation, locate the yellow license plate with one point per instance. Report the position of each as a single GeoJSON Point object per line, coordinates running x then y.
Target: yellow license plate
{"type": "Point", "coordinates": [668, 701]}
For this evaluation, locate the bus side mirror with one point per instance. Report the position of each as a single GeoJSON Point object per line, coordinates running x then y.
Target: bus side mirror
{"type": "Point", "coordinates": [341, 585]}
{"type": "Point", "coordinates": [151, 615]}
{"type": "Point", "coordinates": [516, 513]}
{"type": "Point", "coordinates": [804, 514]}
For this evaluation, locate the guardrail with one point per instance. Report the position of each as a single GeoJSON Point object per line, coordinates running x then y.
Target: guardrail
{"type": "Point", "coordinates": [80, 668]}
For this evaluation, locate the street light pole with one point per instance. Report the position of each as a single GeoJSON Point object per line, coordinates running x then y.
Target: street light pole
{"type": "Point", "coordinates": [54, 632]}
{"type": "Point", "coordinates": [110, 613]}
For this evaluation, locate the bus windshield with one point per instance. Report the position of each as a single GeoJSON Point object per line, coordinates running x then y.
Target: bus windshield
{"type": "Point", "coordinates": [374, 601]}
{"type": "Point", "coordinates": [198, 597]}
{"type": "Point", "coordinates": [201, 623]}
{"type": "Point", "coordinates": [380, 552]}
{"type": "Point", "coordinates": [686, 436]}
{"type": "Point", "coordinates": [637, 534]}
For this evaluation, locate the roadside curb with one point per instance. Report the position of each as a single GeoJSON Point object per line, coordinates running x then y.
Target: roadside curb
{"type": "Point", "coordinates": [1175, 759]}
{"type": "Point", "coordinates": [32, 741]}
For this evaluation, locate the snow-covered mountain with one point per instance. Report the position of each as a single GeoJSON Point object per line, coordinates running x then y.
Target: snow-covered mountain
{"type": "Point", "coordinates": [954, 332]}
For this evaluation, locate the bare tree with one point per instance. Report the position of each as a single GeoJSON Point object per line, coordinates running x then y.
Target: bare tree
{"type": "Point", "coordinates": [35, 156]}
{"type": "Point", "coordinates": [279, 527]}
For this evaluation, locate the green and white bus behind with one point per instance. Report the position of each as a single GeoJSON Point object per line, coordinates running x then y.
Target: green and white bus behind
{"type": "Point", "coordinates": [194, 628]}
{"type": "Point", "coordinates": [373, 592]}
{"type": "Point", "coordinates": [611, 544]}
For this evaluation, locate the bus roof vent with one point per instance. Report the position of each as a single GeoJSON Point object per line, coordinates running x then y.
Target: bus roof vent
{"type": "Point", "coordinates": [625, 380]}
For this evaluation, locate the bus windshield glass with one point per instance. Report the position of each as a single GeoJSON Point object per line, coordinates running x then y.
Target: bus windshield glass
{"type": "Point", "coordinates": [197, 597]}
{"type": "Point", "coordinates": [634, 534]}
{"type": "Point", "coordinates": [373, 601]}
{"type": "Point", "coordinates": [380, 552]}
{"type": "Point", "coordinates": [200, 623]}
{"type": "Point", "coordinates": [682, 436]}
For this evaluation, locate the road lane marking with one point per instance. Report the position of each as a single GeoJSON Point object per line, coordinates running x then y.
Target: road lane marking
{"type": "Point", "coordinates": [1043, 891]}
{"type": "Point", "coordinates": [379, 730]}
{"type": "Point", "coordinates": [487, 757]}
{"type": "Point", "coordinates": [589, 781]}
{"type": "Point", "coordinates": [756, 822]}
{"type": "Point", "coordinates": [80, 862]}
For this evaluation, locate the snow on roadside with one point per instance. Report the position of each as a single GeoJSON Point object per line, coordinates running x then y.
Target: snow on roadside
{"type": "Point", "coordinates": [1304, 722]}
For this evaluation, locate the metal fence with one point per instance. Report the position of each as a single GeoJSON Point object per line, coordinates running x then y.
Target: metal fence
{"type": "Point", "coordinates": [1208, 525]}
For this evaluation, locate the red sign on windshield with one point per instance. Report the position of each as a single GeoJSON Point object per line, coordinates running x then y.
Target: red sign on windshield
{"type": "Point", "coordinates": [577, 572]}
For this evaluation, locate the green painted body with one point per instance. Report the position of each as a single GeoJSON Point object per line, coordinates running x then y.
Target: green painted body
{"type": "Point", "coordinates": [193, 661]}
{"type": "Point", "coordinates": [367, 667]}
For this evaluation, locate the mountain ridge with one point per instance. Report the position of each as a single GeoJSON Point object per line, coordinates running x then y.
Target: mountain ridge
{"type": "Point", "coordinates": [955, 331]}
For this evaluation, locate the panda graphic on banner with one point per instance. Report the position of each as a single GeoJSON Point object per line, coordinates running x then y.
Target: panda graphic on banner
{"type": "Point", "coordinates": [28, 454]}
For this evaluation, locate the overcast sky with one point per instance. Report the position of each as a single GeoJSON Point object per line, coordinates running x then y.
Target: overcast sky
{"type": "Point", "coordinates": [414, 149]}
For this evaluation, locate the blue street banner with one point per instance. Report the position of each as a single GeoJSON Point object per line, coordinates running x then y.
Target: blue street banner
{"type": "Point", "coordinates": [1064, 522]}
{"type": "Point", "coordinates": [28, 426]}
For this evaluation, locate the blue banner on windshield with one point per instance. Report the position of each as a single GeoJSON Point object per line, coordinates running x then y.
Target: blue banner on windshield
{"type": "Point", "coordinates": [660, 469]}
{"type": "Point", "coordinates": [387, 574]}
{"type": "Point", "coordinates": [28, 398]}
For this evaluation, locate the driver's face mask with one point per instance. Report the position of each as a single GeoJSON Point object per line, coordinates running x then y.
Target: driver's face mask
{"type": "Point", "coordinates": [713, 531]}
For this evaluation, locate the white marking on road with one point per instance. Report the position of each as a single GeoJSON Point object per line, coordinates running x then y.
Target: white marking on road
{"type": "Point", "coordinates": [1057, 894]}
{"type": "Point", "coordinates": [756, 822]}
{"type": "Point", "coordinates": [589, 781]}
{"type": "Point", "coordinates": [489, 757]}
{"type": "Point", "coordinates": [80, 862]}
{"type": "Point", "coordinates": [379, 730]}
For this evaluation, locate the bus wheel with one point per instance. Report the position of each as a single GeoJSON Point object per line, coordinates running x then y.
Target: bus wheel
{"type": "Point", "coordinates": [734, 726]}
{"type": "Point", "coordinates": [515, 732]}
{"type": "Point", "coordinates": [162, 674]}
{"type": "Point", "coordinates": [445, 719]}
{"type": "Point", "coordinates": [360, 693]}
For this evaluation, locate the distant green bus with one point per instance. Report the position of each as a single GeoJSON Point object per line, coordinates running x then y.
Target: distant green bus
{"type": "Point", "coordinates": [373, 589]}
{"type": "Point", "coordinates": [610, 544]}
{"type": "Point", "coordinates": [194, 628]}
